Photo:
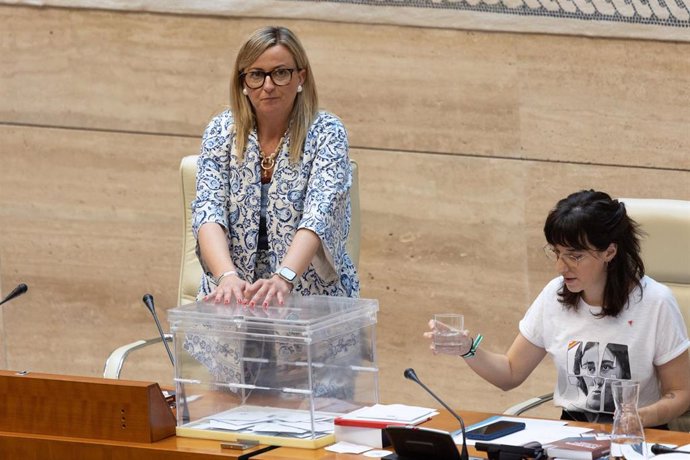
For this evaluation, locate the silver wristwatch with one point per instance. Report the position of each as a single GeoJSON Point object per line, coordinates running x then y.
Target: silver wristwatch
{"type": "Point", "coordinates": [287, 274]}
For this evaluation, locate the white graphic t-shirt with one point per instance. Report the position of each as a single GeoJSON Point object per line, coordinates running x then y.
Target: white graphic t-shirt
{"type": "Point", "coordinates": [590, 352]}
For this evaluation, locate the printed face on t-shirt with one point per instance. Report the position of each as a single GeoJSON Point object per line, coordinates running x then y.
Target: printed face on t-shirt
{"type": "Point", "coordinates": [595, 368]}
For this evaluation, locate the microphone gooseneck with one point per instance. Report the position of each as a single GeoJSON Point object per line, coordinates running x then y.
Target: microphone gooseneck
{"type": "Point", "coordinates": [410, 374]}
{"type": "Point", "coordinates": [661, 449]}
{"type": "Point", "coordinates": [148, 301]}
{"type": "Point", "coordinates": [16, 292]}
{"type": "Point", "coordinates": [180, 396]}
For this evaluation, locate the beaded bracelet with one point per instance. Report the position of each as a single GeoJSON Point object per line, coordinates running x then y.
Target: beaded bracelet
{"type": "Point", "coordinates": [473, 348]}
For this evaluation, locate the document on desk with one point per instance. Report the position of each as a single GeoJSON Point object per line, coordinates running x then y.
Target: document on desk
{"type": "Point", "coordinates": [269, 421]}
{"type": "Point", "coordinates": [343, 447]}
{"type": "Point", "coordinates": [542, 431]}
{"type": "Point", "coordinates": [393, 413]}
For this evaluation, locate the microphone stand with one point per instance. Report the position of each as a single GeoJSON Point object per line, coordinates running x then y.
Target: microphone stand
{"type": "Point", "coordinates": [16, 292]}
{"type": "Point", "coordinates": [148, 301]}
{"type": "Point", "coordinates": [410, 374]}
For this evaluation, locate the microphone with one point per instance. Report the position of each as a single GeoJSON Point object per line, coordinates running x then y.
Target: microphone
{"type": "Point", "coordinates": [661, 449]}
{"type": "Point", "coordinates": [16, 292]}
{"type": "Point", "coordinates": [148, 301]}
{"type": "Point", "coordinates": [410, 374]}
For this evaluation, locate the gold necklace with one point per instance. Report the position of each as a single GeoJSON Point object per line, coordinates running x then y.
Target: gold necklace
{"type": "Point", "coordinates": [269, 161]}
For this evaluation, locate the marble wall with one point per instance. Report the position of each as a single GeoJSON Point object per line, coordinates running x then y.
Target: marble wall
{"type": "Point", "coordinates": [464, 142]}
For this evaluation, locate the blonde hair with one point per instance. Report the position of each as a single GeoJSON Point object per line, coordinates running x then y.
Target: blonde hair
{"type": "Point", "coordinates": [306, 103]}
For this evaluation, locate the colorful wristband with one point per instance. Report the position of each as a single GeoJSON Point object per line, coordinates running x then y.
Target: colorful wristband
{"type": "Point", "coordinates": [473, 348]}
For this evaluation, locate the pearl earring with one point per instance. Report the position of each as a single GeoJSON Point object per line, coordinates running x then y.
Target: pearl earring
{"type": "Point", "coordinates": [299, 88]}
{"type": "Point", "coordinates": [245, 92]}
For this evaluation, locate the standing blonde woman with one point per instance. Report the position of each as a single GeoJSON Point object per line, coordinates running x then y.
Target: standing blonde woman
{"type": "Point", "coordinates": [272, 210]}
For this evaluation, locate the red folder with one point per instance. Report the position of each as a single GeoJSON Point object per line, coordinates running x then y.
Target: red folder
{"type": "Point", "coordinates": [362, 423]}
{"type": "Point", "coordinates": [365, 432]}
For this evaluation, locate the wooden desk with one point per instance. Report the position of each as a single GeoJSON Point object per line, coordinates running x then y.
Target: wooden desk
{"type": "Point", "coordinates": [56, 417]}
{"type": "Point", "coordinates": [45, 447]}
{"type": "Point", "coordinates": [24, 446]}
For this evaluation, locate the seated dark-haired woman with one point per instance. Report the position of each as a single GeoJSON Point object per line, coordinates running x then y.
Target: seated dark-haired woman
{"type": "Point", "coordinates": [601, 320]}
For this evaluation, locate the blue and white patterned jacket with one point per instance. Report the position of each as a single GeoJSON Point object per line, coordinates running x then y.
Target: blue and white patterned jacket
{"type": "Point", "coordinates": [312, 194]}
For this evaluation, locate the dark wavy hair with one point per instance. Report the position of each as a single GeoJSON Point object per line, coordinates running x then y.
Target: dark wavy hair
{"type": "Point", "coordinates": [588, 220]}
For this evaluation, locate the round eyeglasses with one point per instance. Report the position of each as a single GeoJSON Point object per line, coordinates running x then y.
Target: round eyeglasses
{"type": "Point", "coordinates": [256, 78]}
{"type": "Point", "coordinates": [569, 258]}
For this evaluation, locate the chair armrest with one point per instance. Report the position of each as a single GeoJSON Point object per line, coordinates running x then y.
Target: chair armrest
{"type": "Point", "coordinates": [113, 365]}
{"type": "Point", "coordinates": [531, 403]}
{"type": "Point", "coordinates": [682, 423]}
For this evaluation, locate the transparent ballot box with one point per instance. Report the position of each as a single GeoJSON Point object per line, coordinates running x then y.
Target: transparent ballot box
{"type": "Point", "coordinates": [278, 375]}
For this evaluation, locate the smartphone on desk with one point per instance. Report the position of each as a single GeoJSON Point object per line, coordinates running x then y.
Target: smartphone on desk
{"type": "Point", "coordinates": [495, 430]}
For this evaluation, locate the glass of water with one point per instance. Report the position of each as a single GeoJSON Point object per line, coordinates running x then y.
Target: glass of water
{"type": "Point", "coordinates": [448, 329]}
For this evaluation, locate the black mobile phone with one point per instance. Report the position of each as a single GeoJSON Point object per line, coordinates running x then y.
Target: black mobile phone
{"type": "Point", "coordinates": [495, 430]}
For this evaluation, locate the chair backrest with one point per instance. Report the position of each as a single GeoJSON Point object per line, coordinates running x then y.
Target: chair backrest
{"type": "Point", "coordinates": [666, 254]}
{"type": "Point", "coordinates": [666, 245]}
{"type": "Point", "coordinates": [190, 268]}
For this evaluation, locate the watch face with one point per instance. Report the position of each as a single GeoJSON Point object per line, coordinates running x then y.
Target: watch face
{"type": "Point", "coordinates": [287, 274]}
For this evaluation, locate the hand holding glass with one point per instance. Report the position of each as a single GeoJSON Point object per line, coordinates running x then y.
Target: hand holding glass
{"type": "Point", "coordinates": [448, 333]}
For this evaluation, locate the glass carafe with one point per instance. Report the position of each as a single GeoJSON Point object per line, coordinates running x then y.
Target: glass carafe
{"type": "Point", "coordinates": [627, 435]}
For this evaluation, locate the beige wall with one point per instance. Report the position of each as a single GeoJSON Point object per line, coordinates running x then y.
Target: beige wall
{"type": "Point", "coordinates": [464, 141]}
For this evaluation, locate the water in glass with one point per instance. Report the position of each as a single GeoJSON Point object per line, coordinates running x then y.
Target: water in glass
{"type": "Point", "coordinates": [447, 332]}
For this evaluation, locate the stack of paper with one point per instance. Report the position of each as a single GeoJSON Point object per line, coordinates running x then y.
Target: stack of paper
{"type": "Point", "coordinates": [267, 421]}
{"type": "Point", "coordinates": [365, 426]}
{"type": "Point", "coordinates": [391, 414]}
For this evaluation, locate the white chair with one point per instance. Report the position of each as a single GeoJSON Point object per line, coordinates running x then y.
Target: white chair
{"type": "Point", "coordinates": [116, 359]}
{"type": "Point", "coordinates": [666, 255]}
{"type": "Point", "coordinates": [190, 268]}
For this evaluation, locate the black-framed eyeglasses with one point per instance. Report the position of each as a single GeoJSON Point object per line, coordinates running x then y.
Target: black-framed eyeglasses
{"type": "Point", "coordinates": [256, 78]}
